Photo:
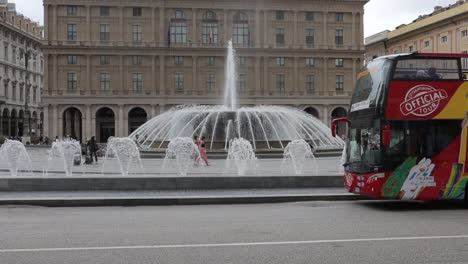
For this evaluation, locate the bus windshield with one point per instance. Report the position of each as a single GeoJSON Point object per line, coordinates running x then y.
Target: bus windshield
{"type": "Point", "coordinates": [369, 84]}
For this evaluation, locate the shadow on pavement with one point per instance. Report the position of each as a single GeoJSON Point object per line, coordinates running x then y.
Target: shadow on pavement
{"type": "Point", "coordinates": [413, 205]}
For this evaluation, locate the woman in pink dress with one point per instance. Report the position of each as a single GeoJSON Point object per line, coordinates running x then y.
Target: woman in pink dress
{"type": "Point", "coordinates": [197, 142]}
{"type": "Point", "coordinates": [202, 148]}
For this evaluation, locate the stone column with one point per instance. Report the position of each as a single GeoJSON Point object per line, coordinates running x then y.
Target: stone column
{"type": "Point", "coordinates": [266, 87]}
{"type": "Point", "coordinates": [46, 24]}
{"type": "Point", "coordinates": [325, 75]}
{"type": "Point", "coordinates": [45, 124]}
{"type": "Point", "coordinates": [353, 31]}
{"type": "Point", "coordinates": [361, 30]}
{"type": "Point", "coordinates": [88, 75]}
{"type": "Point", "coordinates": [153, 24]}
{"type": "Point", "coordinates": [47, 88]}
{"type": "Point", "coordinates": [294, 41]}
{"type": "Point", "coordinates": [265, 29]}
{"type": "Point", "coordinates": [93, 125]}
{"type": "Point", "coordinates": [153, 74]}
{"type": "Point", "coordinates": [121, 24]}
{"type": "Point", "coordinates": [54, 23]}
{"type": "Point", "coordinates": [354, 71]}
{"type": "Point", "coordinates": [257, 28]}
{"type": "Point", "coordinates": [122, 76]}
{"type": "Point", "coordinates": [153, 112]}
{"type": "Point", "coordinates": [326, 116]}
{"type": "Point", "coordinates": [60, 126]}
{"type": "Point", "coordinates": [9, 126]}
{"type": "Point", "coordinates": [88, 124]}
{"type": "Point", "coordinates": [55, 74]}
{"type": "Point", "coordinates": [194, 27]}
{"type": "Point", "coordinates": [161, 27]}
{"type": "Point", "coordinates": [162, 76]}
{"type": "Point", "coordinates": [1, 124]}
{"type": "Point", "coordinates": [258, 87]}
{"type": "Point", "coordinates": [194, 76]}
{"type": "Point", "coordinates": [226, 26]}
{"type": "Point", "coordinates": [325, 29]}
{"type": "Point", "coordinates": [296, 76]}
{"type": "Point", "coordinates": [54, 122]}
{"type": "Point", "coordinates": [120, 125]}
{"type": "Point", "coordinates": [88, 22]}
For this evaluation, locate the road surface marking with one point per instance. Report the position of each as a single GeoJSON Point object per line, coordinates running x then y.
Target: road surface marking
{"type": "Point", "coordinates": [230, 244]}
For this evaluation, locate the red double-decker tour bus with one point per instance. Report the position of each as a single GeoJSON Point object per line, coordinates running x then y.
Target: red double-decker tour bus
{"type": "Point", "coordinates": [407, 129]}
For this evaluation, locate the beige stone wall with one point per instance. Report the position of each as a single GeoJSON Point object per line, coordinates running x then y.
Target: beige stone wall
{"type": "Point", "coordinates": [158, 66]}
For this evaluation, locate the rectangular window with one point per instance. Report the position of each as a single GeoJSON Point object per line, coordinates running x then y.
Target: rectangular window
{"type": "Point", "coordinates": [5, 52]}
{"type": "Point", "coordinates": [279, 15]}
{"type": "Point", "coordinates": [242, 60]}
{"type": "Point", "coordinates": [310, 37]}
{"type": "Point", "coordinates": [179, 82]}
{"type": "Point", "coordinates": [137, 60]}
{"type": "Point", "coordinates": [104, 34]}
{"type": "Point", "coordinates": [104, 81]}
{"type": "Point", "coordinates": [210, 33]}
{"type": "Point", "coordinates": [72, 10]}
{"type": "Point", "coordinates": [465, 62]}
{"type": "Point", "coordinates": [72, 59]}
{"type": "Point", "coordinates": [464, 33]}
{"type": "Point", "coordinates": [280, 84]}
{"type": "Point", "coordinates": [178, 32]}
{"type": "Point", "coordinates": [339, 83]}
{"type": "Point", "coordinates": [137, 33]}
{"type": "Point", "coordinates": [137, 11]}
{"type": "Point", "coordinates": [280, 37]}
{"type": "Point", "coordinates": [211, 82]}
{"type": "Point", "coordinates": [310, 62]}
{"type": "Point", "coordinates": [339, 17]}
{"type": "Point", "coordinates": [178, 60]}
{"type": "Point", "coordinates": [310, 84]}
{"type": "Point", "coordinates": [137, 79]}
{"type": "Point", "coordinates": [241, 83]}
{"type": "Point", "coordinates": [280, 61]}
{"type": "Point", "coordinates": [13, 51]}
{"type": "Point", "coordinates": [211, 61]}
{"type": "Point", "coordinates": [71, 32]}
{"type": "Point", "coordinates": [444, 39]}
{"type": "Point", "coordinates": [339, 37]}
{"type": "Point", "coordinates": [72, 82]}
{"type": "Point", "coordinates": [339, 63]}
{"type": "Point", "coordinates": [104, 11]}
{"type": "Point", "coordinates": [104, 60]}
{"type": "Point", "coordinates": [309, 16]}
{"type": "Point", "coordinates": [426, 44]}
{"type": "Point", "coordinates": [411, 48]}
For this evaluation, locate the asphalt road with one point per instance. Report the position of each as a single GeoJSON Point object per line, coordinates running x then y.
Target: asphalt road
{"type": "Point", "coordinates": [312, 232]}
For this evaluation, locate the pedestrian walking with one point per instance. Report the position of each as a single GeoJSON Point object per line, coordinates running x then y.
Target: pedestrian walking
{"type": "Point", "coordinates": [93, 148]}
{"type": "Point", "coordinates": [197, 142]}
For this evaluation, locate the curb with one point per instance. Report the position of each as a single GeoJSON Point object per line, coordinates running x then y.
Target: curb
{"type": "Point", "coordinates": [162, 201]}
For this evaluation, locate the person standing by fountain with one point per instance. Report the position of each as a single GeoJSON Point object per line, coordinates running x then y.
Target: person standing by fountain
{"type": "Point", "coordinates": [92, 147]}
{"type": "Point", "coordinates": [203, 155]}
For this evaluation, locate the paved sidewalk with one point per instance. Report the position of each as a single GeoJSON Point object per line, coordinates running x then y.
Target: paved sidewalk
{"type": "Point", "coordinates": [138, 198]}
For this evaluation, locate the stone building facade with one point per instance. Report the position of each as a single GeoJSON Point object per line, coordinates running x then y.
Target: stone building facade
{"type": "Point", "coordinates": [445, 30]}
{"type": "Point", "coordinates": [111, 65]}
{"type": "Point", "coordinates": [20, 87]}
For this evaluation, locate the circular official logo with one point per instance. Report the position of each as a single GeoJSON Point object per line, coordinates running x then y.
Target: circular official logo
{"type": "Point", "coordinates": [422, 100]}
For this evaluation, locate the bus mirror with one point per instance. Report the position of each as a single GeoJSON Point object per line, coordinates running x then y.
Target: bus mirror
{"type": "Point", "coordinates": [335, 123]}
{"type": "Point", "coordinates": [386, 135]}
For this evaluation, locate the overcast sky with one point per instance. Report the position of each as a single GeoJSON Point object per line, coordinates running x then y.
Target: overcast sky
{"type": "Point", "coordinates": [379, 14]}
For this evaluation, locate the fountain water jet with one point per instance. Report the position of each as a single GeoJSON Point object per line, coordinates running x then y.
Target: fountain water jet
{"type": "Point", "coordinates": [64, 152]}
{"type": "Point", "coordinates": [242, 154]}
{"type": "Point", "coordinates": [295, 155]}
{"type": "Point", "coordinates": [126, 151]}
{"type": "Point", "coordinates": [15, 155]}
{"type": "Point", "coordinates": [184, 151]}
{"type": "Point", "coordinates": [267, 127]}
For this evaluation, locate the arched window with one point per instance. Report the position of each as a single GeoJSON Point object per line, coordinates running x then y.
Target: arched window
{"type": "Point", "coordinates": [210, 28]}
{"type": "Point", "coordinates": [178, 28]}
{"type": "Point", "coordinates": [240, 33]}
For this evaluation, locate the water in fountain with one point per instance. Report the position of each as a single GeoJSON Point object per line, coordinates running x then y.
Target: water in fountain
{"type": "Point", "coordinates": [15, 156]}
{"type": "Point", "coordinates": [295, 156]}
{"type": "Point", "coordinates": [184, 151]}
{"type": "Point", "coordinates": [66, 153]}
{"type": "Point", "coordinates": [125, 151]}
{"type": "Point", "coordinates": [242, 154]}
{"type": "Point", "coordinates": [267, 127]}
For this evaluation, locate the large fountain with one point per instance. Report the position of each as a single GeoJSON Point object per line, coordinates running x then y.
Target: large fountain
{"type": "Point", "coordinates": [266, 127]}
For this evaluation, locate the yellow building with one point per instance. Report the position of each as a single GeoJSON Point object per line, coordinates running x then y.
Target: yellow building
{"type": "Point", "coordinates": [445, 30]}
